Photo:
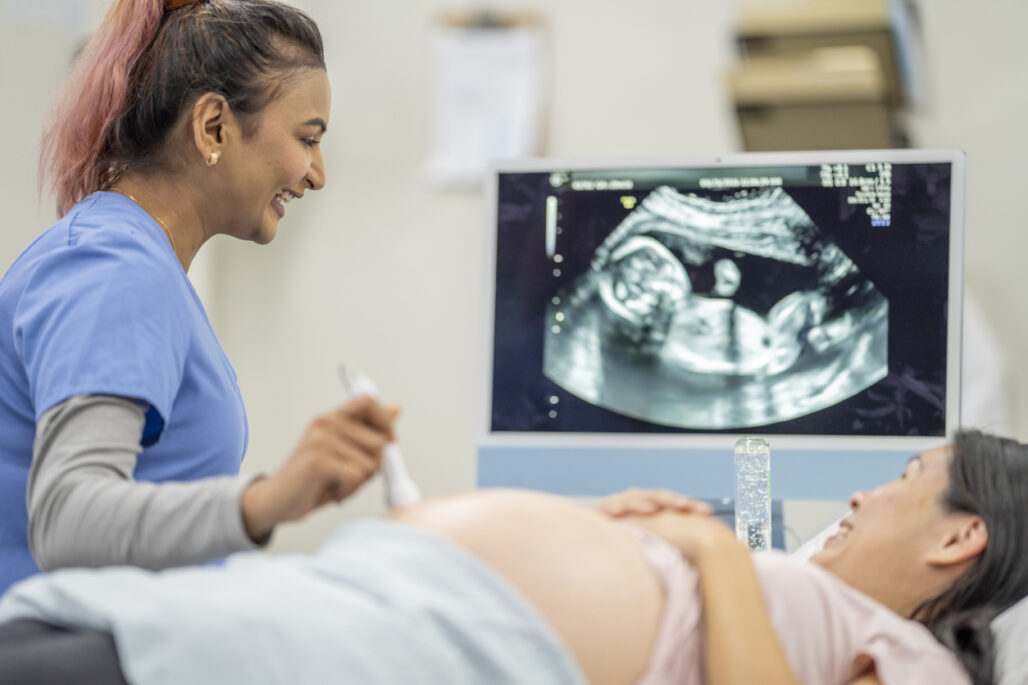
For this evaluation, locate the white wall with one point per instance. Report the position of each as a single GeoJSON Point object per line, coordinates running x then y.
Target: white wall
{"type": "Point", "coordinates": [33, 60]}
{"type": "Point", "coordinates": [384, 270]}
{"type": "Point", "coordinates": [379, 269]}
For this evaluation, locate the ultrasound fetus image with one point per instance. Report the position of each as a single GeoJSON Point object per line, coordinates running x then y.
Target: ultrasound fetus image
{"type": "Point", "coordinates": [716, 312]}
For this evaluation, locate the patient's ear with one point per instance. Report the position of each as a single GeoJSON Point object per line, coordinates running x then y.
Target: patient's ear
{"type": "Point", "coordinates": [964, 539]}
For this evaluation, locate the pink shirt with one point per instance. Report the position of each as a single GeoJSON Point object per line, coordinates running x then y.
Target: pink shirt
{"type": "Point", "coordinates": [829, 631]}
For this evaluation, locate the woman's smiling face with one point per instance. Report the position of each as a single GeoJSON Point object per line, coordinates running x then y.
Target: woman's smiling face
{"type": "Point", "coordinates": [890, 528]}
{"type": "Point", "coordinates": [281, 157]}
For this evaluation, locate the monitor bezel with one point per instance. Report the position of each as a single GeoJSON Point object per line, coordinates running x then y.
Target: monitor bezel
{"type": "Point", "coordinates": [557, 439]}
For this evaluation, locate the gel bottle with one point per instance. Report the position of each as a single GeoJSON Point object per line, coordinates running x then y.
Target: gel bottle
{"type": "Point", "coordinates": [753, 492]}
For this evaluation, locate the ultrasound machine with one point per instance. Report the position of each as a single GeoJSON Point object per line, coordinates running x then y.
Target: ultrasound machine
{"type": "Point", "coordinates": [643, 315]}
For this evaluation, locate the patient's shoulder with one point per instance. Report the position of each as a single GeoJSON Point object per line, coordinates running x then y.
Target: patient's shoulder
{"type": "Point", "coordinates": [830, 630]}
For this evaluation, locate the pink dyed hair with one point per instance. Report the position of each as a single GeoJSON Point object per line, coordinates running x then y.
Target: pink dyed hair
{"type": "Point", "coordinates": [91, 100]}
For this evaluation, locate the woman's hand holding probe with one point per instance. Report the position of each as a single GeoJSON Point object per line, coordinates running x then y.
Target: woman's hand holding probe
{"type": "Point", "coordinates": [339, 452]}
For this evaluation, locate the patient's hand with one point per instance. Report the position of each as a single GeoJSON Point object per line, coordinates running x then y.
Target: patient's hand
{"type": "Point", "coordinates": [636, 502]}
{"type": "Point", "coordinates": [696, 536]}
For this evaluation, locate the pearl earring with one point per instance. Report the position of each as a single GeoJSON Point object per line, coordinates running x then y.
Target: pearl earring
{"type": "Point", "coordinates": [214, 158]}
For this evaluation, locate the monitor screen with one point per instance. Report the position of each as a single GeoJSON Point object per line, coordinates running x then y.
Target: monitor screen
{"type": "Point", "coordinates": [800, 294]}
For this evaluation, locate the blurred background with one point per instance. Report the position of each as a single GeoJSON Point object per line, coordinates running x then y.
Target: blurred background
{"type": "Point", "coordinates": [385, 267]}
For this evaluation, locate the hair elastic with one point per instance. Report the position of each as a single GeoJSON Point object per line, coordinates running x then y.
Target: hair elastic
{"type": "Point", "coordinates": [170, 5]}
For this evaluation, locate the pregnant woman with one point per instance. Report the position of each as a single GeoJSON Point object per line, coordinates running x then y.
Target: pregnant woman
{"type": "Point", "coordinates": [521, 587]}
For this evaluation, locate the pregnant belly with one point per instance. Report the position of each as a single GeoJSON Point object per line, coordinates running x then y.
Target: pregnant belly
{"type": "Point", "coordinates": [584, 572]}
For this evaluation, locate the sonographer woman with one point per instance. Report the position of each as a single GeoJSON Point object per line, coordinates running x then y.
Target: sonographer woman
{"type": "Point", "coordinates": [122, 427]}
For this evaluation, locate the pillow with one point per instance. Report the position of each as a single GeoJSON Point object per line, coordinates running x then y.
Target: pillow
{"type": "Point", "coordinates": [814, 544]}
{"type": "Point", "coordinates": [1011, 631]}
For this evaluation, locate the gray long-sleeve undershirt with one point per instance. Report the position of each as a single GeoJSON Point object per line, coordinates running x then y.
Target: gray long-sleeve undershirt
{"type": "Point", "coordinates": [86, 510]}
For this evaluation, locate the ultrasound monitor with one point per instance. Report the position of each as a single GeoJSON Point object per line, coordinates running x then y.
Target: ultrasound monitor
{"type": "Point", "coordinates": [660, 310]}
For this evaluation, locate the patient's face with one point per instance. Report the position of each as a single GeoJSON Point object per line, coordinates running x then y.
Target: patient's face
{"type": "Point", "coordinates": [890, 528]}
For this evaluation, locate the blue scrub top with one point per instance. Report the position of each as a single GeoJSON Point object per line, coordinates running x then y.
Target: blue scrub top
{"type": "Point", "coordinates": [99, 304]}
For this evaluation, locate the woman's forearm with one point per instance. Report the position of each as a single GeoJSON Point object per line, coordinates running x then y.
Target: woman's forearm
{"type": "Point", "coordinates": [86, 510]}
{"type": "Point", "coordinates": [741, 645]}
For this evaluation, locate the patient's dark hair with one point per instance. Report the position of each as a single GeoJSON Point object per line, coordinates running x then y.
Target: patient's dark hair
{"type": "Point", "coordinates": [988, 476]}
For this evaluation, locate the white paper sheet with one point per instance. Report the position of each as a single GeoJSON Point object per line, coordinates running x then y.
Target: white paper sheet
{"type": "Point", "coordinates": [487, 101]}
